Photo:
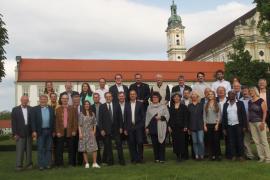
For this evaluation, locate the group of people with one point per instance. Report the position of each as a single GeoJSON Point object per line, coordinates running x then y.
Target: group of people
{"type": "Point", "coordinates": [195, 118]}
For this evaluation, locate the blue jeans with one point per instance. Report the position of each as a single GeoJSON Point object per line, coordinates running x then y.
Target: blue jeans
{"type": "Point", "coordinates": [44, 145]}
{"type": "Point", "coordinates": [198, 144]}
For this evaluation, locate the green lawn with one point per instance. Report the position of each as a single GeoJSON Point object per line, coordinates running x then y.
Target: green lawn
{"type": "Point", "coordinates": [170, 170]}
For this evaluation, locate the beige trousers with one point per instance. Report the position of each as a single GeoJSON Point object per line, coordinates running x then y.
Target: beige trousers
{"type": "Point", "coordinates": [260, 140]}
{"type": "Point", "coordinates": [247, 148]}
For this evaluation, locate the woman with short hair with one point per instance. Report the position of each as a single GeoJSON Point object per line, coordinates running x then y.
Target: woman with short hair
{"type": "Point", "coordinates": [157, 116]}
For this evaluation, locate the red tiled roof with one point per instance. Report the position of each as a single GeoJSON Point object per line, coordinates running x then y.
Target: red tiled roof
{"type": "Point", "coordinates": [92, 69]}
{"type": "Point", "coordinates": [223, 35]}
{"type": "Point", "coordinates": [5, 124]}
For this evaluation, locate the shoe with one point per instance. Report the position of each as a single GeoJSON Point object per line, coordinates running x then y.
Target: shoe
{"type": "Point", "coordinates": [261, 161]}
{"type": "Point", "coordinates": [41, 168]}
{"type": "Point", "coordinates": [233, 158]}
{"type": "Point", "coordinates": [18, 169]}
{"type": "Point", "coordinates": [48, 167]}
{"type": "Point", "coordinates": [241, 159]}
{"type": "Point", "coordinates": [156, 161]}
{"type": "Point", "coordinates": [162, 162]}
{"type": "Point", "coordinates": [267, 162]}
{"type": "Point", "coordinates": [95, 165]}
{"type": "Point", "coordinates": [29, 167]}
{"type": "Point", "coordinates": [86, 166]}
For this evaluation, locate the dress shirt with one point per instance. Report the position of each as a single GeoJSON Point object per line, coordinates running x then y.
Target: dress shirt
{"type": "Point", "coordinates": [199, 87]}
{"type": "Point", "coordinates": [122, 105]}
{"type": "Point", "coordinates": [245, 101]}
{"type": "Point", "coordinates": [108, 105]}
{"type": "Point", "coordinates": [65, 117]}
{"type": "Point", "coordinates": [133, 106]}
{"type": "Point", "coordinates": [120, 88]}
{"type": "Point", "coordinates": [101, 93]}
{"type": "Point", "coordinates": [223, 83]}
{"type": "Point", "coordinates": [25, 114]}
{"type": "Point", "coordinates": [45, 114]}
{"type": "Point", "coordinates": [232, 114]}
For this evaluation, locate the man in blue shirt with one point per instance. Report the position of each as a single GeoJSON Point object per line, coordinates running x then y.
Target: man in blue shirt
{"type": "Point", "coordinates": [42, 118]}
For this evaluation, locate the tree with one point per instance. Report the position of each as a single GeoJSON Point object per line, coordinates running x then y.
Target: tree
{"type": "Point", "coordinates": [3, 42]}
{"type": "Point", "coordinates": [242, 66]}
{"type": "Point", "coordinates": [263, 7]}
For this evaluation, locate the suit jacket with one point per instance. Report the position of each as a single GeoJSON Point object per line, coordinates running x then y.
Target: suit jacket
{"type": "Point", "coordinates": [177, 88]}
{"type": "Point", "coordinates": [113, 89]}
{"type": "Point", "coordinates": [36, 119]}
{"type": "Point", "coordinates": [167, 96]}
{"type": "Point", "coordinates": [72, 122]}
{"type": "Point", "coordinates": [268, 100]}
{"type": "Point", "coordinates": [105, 123]}
{"type": "Point", "coordinates": [18, 124]}
{"type": "Point", "coordinates": [241, 113]}
{"type": "Point", "coordinates": [143, 92]}
{"type": "Point", "coordinates": [139, 117]}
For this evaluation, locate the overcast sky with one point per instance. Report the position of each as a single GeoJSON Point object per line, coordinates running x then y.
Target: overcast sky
{"type": "Point", "coordinates": [107, 29]}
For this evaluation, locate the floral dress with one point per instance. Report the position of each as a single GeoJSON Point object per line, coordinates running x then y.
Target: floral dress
{"type": "Point", "coordinates": [88, 143]}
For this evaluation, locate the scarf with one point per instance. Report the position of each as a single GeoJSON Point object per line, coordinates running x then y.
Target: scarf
{"type": "Point", "coordinates": [160, 110]}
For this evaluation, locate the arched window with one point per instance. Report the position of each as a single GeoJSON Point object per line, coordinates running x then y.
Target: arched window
{"type": "Point", "coordinates": [177, 42]}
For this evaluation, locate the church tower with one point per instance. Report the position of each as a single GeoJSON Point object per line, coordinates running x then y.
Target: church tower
{"type": "Point", "coordinates": [175, 36]}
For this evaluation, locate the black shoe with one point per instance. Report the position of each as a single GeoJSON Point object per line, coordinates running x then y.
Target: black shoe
{"type": "Point", "coordinates": [122, 163]}
{"type": "Point", "coordinates": [18, 169]}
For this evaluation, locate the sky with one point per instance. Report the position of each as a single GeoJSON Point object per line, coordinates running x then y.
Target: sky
{"type": "Point", "coordinates": [104, 29]}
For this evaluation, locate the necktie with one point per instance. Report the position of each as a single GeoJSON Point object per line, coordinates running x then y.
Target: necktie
{"type": "Point", "coordinates": [110, 111]}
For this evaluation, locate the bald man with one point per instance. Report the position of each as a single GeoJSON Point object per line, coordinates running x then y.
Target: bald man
{"type": "Point", "coordinates": [22, 133]}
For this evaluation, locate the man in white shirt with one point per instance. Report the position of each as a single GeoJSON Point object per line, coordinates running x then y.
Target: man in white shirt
{"type": "Point", "coordinates": [200, 85]}
{"type": "Point", "coordinates": [221, 82]}
{"type": "Point", "coordinates": [102, 90]}
{"type": "Point", "coordinates": [134, 127]}
{"type": "Point", "coordinates": [118, 87]}
{"type": "Point", "coordinates": [234, 122]}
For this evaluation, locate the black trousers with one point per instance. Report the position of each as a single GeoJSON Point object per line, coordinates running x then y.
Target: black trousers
{"type": "Point", "coordinates": [78, 155]}
{"type": "Point", "coordinates": [135, 144]}
{"type": "Point", "coordinates": [188, 141]}
{"type": "Point", "coordinates": [212, 140]}
{"type": "Point", "coordinates": [108, 149]}
{"type": "Point", "coordinates": [179, 143]}
{"type": "Point", "coordinates": [60, 144]}
{"type": "Point", "coordinates": [158, 148]}
{"type": "Point", "coordinates": [235, 140]}
{"type": "Point", "coordinates": [99, 142]}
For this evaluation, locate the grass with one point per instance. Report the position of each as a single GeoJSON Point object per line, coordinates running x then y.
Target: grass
{"type": "Point", "coordinates": [170, 170]}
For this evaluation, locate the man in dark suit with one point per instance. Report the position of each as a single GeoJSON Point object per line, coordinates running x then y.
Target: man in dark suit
{"type": "Point", "coordinates": [95, 109]}
{"type": "Point", "coordinates": [111, 128]}
{"type": "Point", "coordinates": [21, 131]}
{"type": "Point", "coordinates": [118, 87]}
{"type": "Point", "coordinates": [181, 87]}
{"type": "Point", "coordinates": [134, 127]}
{"type": "Point", "coordinates": [234, 122]}
{"type": "Point", "coordinates": [142, 90]}
{"type": "Point", "coordinates": [69, 92]}
{"type": "Point", "coordinates": [43, 117]}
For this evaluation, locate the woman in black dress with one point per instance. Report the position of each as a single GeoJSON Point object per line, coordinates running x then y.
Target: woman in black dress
{"type": "Point", "coordinates": [178, 125]}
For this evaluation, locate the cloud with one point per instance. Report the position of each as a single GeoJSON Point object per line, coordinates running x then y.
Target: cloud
{"type": "Point", "coordinates": [112, 29]}
{"type": "Point", "coordinates": [102, 28]}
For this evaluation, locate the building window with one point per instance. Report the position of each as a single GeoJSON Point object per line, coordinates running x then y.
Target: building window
{"type": "Point", "coordinates": [177, 35]}
{"type": "Point", "coordinates": [261, 53]}
{"type": "Point", "coordinates": [25, 90]}
{"type": "Point", "coordinates": [40, 90]}
{"type": "Point", "coordinates": [178, 57]}
{"type": "Point", "coordinates": [177, 42]}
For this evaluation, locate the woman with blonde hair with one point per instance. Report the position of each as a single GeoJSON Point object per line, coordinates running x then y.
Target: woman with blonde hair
{"type": "Point", "coordinates": [211, 118]}
{"type": "Point", "coordinates": [257, 117]}
{"type": "Point", "coordinates": [196, 125]}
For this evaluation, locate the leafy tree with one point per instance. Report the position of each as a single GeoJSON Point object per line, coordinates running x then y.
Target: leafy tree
{"type": "Point", "coordinates": [3, 42]}
{"type": "Point", "coordinates": [263, 7]}
{"type": "Point", "coordinates": [242, 66]}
